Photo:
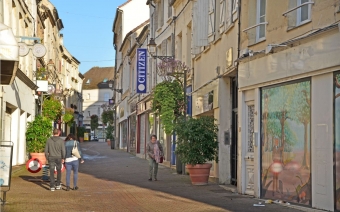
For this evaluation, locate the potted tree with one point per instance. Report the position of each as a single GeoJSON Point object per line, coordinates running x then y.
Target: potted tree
{"type": "Point", "coordinates": [80, 132]}
{"type": "Point", "coordinates": [37, 133]}
{"type": "Point", "coordinates": [196, 145]}
{"type": "Point", "coordinates": [109, 134]}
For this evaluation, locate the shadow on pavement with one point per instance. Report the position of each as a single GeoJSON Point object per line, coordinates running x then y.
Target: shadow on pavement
{"type": "Point", "coordinates": [119, 166]}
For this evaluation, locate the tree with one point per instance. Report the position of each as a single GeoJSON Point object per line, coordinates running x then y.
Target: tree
{"type": "Point", "coordinates": [300, 112]}
{"type": "Point", "coordinates": [94, 122]}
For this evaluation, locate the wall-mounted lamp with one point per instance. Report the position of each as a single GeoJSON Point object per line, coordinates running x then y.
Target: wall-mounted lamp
{"type": "Point", "coordinates": [152, 46]}
{"type": "Point", "coordinates": [110, 82]}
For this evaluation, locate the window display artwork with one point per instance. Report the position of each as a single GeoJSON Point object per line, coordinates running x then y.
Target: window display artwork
{"type": "Point", "coordinates": [285, 139]}
{"type": "Point", "coordinates": [337, 139]}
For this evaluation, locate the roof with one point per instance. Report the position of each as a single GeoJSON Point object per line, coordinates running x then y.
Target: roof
{"type": "Point", "coordinates": [122, 5]}
{"type": "Point", "coordinates": [97, 75]}
{"type": "Point", "coordinates": [133, 31]}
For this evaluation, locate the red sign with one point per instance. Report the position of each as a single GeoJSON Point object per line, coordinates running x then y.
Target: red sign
{"type": "Point", "coordinates": [34, 165]}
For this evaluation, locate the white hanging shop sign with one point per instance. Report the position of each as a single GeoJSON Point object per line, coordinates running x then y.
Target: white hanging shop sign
{"type": "Point", "coordinates": [38, 50]}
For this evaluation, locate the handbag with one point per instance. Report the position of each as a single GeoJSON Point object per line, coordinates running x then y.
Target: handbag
{"type": "Point", "coordinates": [75, 151]}
{"type": "Point", "coordinates": [161, 159]}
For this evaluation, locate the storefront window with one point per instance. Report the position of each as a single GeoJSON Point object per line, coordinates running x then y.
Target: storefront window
{"type": "Point", "coordinates": [124, 134]}
{"type": "Point", "coordinates": [132, 128]}
{"type": "Point", "coordinates": [162, 138]}
{"type": "Point", "coordinates": [285, 139]}
{"type": "Point", "coordinates": [337, 139]}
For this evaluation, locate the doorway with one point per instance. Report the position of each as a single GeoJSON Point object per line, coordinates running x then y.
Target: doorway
{"type": "Point", "coordinates": [234, 137]}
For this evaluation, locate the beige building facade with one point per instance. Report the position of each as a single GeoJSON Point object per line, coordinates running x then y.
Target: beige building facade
{"type": "Point", "coordinates": [35, 28]}
{"type": "Point", "coordinates": [288, 102]}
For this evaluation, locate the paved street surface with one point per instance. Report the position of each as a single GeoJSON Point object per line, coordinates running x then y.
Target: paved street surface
{"type": "Point", "coordinates": [112, 180]}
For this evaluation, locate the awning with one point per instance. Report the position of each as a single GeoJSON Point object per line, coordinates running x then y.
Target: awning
{"type": "Point", "coordinates": [9, 55]}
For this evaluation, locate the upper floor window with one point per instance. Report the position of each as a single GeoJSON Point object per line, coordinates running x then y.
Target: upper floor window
{"type": "Point", "coordinates": [88, 81]}
{"type": "Point", "coordinates": [261, 18]}
{"type": "Point", "coordinates": [297, 14]}
{"type": "Point", "coordinates": [106, 97]}
{"type": "Point", "coordinates": [256, 30]}
{"type": "Point", "coordinates": [303, 13]}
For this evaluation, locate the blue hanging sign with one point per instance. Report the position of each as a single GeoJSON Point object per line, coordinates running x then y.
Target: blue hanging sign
{"type": "Point", "coordinates": [142, 58]}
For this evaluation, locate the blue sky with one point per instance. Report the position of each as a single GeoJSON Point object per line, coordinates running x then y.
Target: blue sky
{"type": "Point", "coordinates": [88, 30]}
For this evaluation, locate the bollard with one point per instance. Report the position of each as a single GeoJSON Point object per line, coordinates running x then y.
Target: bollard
{"type": "Point", "coordinates": [45, 173]}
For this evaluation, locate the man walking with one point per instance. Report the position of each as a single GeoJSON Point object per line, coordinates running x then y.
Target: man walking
{"type": "Point", "coordinates": [55, 153]}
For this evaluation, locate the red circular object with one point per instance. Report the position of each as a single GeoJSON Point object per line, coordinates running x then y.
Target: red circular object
{"type": "Point", "coordinates": [62, 168]}
{"type": "Point", "coordinates": [34, 165]}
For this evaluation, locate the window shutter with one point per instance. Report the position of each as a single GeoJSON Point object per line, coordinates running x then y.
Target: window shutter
{"type": "Point", "coordinates": [222, 15]}
{"type": "Point", "coordinates": [155, 16]}
{"type": "Point", "coordinates": [200, 25]}
{"type": "Point", "coordinates": [163, 47]}
{"type": "Point", "coordinates": [211, 31]}
{"type": "Point", "coordinates": [161, 14]}
{"type": "Point", "coordinates": [292, 16]}
{"type": "Point", "coordinates": [235, 10]}
{"type": "Point", "coordinates": [228, 12]}
{"type": "Point", "coordinates": [169, 9]}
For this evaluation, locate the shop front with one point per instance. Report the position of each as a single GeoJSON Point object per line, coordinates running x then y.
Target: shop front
{"type": "Point", "coordinates": [289, 117]}
{"type": "Point", "coordinates": [123, 125]}
{"type": "Point", "coordinates": [205, 103]}
{"type": "Point", "coordinates": [132, 128]}
{"type": "Point", "coordinates": [144, 127]}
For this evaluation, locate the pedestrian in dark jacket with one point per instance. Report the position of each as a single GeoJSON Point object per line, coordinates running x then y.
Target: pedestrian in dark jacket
{"type": "Point", "coordinates": [72, 162]}
{"type": "Point", "coordinates": [155, 152]}
{"type": "Point", "coordinates": [55, 154]}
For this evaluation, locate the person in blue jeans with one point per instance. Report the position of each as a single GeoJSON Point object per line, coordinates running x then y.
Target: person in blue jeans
{"type": "Point", "coordinates": [72, 162]}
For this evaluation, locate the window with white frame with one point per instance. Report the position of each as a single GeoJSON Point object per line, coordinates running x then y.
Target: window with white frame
{"type": "Point", "coordinates": [106, 97]}
{"type": "Point", "coordinates": [261, 18]}
{"type": "Point", "coordinates": [256, 30]}
{"type": "Point", "coordinates": [297, 14]}
{"type": "Point", "coordinates": [303, 13]}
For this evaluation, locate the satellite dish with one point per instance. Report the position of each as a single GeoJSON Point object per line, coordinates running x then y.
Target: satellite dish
{"type": "Point", "coordinates": [50, 89]}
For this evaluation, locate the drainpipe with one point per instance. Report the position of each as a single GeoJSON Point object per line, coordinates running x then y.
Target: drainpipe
{"type": "Point", "coordinates": [113, 144]}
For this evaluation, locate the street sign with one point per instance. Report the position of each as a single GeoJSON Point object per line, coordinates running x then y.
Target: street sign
{"type": "Point", "coordinates": [34, 165]}
{"type": "Point", "coordinates": [142, 58]}
{"type": "Point", "coordinates": [6, 151]}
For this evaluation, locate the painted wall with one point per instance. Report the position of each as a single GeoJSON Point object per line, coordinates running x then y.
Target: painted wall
{"type": "Point", "coordinates": [279, 29]}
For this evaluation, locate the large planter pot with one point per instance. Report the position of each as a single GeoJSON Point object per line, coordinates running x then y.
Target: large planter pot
{"type": "Point", "coordinates": [108, 142]}
{"type": "Point", "coordinates": [81, 139]}
{"type": "Point", "coordinates": [199, 174]}
{"type": "Point", "coordinates": [40, 156]}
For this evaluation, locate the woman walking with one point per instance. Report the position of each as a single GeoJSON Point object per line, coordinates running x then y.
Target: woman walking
{"type": "Point", "coordinates": [72, 162]}
{"type": "Point", "coordinates": [155, 152]}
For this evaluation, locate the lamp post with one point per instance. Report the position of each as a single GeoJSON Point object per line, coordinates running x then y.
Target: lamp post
{"type": "Point", "coordinates": [111, 84]}
{"type": "Point", "coordinates": [152, 49]}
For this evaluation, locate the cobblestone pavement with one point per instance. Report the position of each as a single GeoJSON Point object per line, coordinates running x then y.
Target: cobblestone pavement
{"type": "Point", "coordinates": [113, 180]}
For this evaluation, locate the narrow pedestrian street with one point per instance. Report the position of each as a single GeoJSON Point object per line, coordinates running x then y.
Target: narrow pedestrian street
{"type": "Point", "coordinates": [113, 180]}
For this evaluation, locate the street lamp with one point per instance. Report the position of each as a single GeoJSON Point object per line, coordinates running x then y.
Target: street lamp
{"type": "Point", "coordinates": [152, 49]}
{"type": "Point", "coordinates": [111, 82]}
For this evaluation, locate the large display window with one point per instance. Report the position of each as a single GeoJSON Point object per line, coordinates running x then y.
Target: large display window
{"type": "Point", "coordinates": [337, 139]}
{"type": "Point", "coordinates": [285, 142]}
